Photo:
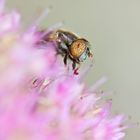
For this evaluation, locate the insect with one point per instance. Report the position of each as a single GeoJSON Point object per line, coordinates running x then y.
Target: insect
{"type": "Point", "coordinates": [70, 46]}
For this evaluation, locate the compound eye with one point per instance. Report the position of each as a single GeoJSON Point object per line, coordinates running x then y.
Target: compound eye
{"type": "Point", "coordinates": [83, 56]}
{"type": "Point", "coordinates": [77, 48]}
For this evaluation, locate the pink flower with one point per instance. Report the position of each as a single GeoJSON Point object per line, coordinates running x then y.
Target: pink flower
{"type": "Point", "coordinates": [40, 99]}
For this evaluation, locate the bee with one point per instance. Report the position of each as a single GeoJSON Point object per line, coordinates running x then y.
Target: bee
{"type": "Point", "coordinates": [70, 46]}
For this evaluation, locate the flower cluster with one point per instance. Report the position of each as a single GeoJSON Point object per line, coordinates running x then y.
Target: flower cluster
{"type": "Point", "coordinates": [40, 99]}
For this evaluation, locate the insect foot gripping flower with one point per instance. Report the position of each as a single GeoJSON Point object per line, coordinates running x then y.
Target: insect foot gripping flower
{"type": "Point", "coordinates": [40, 99]}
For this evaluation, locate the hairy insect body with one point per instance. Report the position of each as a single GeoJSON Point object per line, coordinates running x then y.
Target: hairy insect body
{"type": "Point", "coordinates": [70, 46]}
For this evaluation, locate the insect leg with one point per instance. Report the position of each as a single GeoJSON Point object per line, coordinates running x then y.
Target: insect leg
{"type": "Point", "coordinates": [74, 65]}
{"type": "Point", "coordinates": [65, 59]}
{"type": "Point", "coordinates": [76, 70]}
